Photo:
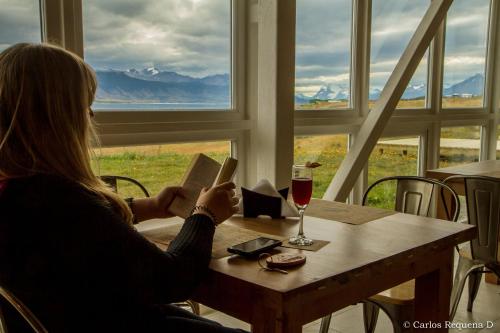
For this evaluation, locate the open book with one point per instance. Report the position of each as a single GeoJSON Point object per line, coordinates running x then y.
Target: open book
{"type": "Point", "coordinates": [202, 172]}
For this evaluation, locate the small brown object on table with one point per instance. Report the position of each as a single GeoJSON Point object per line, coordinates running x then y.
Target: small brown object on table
{"type": "Point", "coordinates": [360, 261]}
{"type": "Point", "coordinates": [490, 168]}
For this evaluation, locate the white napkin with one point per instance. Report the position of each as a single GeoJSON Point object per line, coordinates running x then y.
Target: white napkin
{"type": "Point", "coordinates": [265, 187]}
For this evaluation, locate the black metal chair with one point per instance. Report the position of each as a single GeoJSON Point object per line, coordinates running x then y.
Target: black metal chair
{"type": "Point", "coordinates": [113, 182]}
{"type": "Point", "coordinates": [22, 309]}
{"type": "Point", "coordinates": [417, 196]}
{"type": "Point", "coordinates": [482, 195]}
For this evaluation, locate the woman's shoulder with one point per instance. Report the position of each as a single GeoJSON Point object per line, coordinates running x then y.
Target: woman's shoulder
{"type": "Point", "coordinates": [45, 187]}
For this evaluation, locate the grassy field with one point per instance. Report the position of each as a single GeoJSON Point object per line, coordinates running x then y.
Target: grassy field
{"type": "Point", "coordinates": [448, 102]}
{"type": "Point", "coordinates": [154, 166]}
{"type": "Point", "coordinates": [160, 165]}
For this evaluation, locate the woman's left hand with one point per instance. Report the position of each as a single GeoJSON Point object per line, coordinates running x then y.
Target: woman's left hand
{"type": "Point", "coordinates": [156, 207]}
{"type": "Point", "coordinates": [165, 198]}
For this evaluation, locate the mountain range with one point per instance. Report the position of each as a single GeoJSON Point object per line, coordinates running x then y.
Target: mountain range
{"type": "Point", "coordinates": [152, 85]}
{"type": "Point", "coordinates": [471, 86]}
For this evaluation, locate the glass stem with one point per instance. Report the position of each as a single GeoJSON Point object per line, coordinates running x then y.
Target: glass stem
{"type": "Point", "coordinates": [301, 222]}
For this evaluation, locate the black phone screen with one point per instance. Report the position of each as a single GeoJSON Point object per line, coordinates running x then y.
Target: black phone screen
{"type": "Point", "coordinates": [255, 245]}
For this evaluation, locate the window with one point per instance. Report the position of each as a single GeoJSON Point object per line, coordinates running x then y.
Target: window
{"type": "Point", "coordinates": [465, 53]}
{"type": "Point", "coordinates": [323, 44]}
{"type": "Point", "coordinates": [166, 54]}
{"type": "Point", "coordinates": [19, 22]}
{"type": "Point", "coordinates": [393, 24]}
{"type": "Point", "coordinates": [329, 150]}
{"type": "Point", "coordinates": [391, 157]}
{"type": "Point", "coordinates": [459, 145]}
{"type": "Point", "coordinates": [155, 166]}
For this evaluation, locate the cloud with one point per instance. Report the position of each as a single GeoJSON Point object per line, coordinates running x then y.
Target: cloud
{"type": "Point", "coordinates": [19, 22]}
{"type": "Point", "coordinates": [187, 36]}
{"type": "Point", "coordinates": [465, 42]}
{"type": "Point", "coordinates": [193, 36]}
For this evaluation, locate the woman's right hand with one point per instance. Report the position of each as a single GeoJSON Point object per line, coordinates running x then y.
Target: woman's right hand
{"type": "Point", "coordinates": [219, 200]}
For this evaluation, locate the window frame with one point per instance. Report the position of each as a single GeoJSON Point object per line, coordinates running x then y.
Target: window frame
{"type": "Point", "coordinates": [424, 122]}
{"type": "Point", "coordinates": [62, 23]}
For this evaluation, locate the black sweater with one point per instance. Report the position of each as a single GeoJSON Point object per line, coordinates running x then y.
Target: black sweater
{"type": "Point", "coordinates": [80, 268]}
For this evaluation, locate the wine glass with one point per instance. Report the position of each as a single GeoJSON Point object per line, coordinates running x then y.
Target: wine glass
{"type": "Point", "coordinates": [301, 193]}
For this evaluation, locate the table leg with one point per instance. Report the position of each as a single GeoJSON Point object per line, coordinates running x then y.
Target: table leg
{"type": "Point", "coordinates": [267, 321]}
{"type": "Point", "coordinates": [432, 295]}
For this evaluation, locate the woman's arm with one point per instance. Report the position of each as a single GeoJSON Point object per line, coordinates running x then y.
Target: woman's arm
{"type": "Point", "coordinates": [102, 251]}
{"type": "Point", "coordinates": [155, 207]}
{"type": "Point", "coordinates": [102, 254]}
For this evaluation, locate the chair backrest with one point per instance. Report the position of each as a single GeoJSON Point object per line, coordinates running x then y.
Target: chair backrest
{"type": "Point", "coordinates": [112, 181]}
{"type": "Point", "coordinates": [482, 195]}
{"type": "Point", "coordinates": [22, 309]}
{"type": "Point", "coordinates": [415, 195]}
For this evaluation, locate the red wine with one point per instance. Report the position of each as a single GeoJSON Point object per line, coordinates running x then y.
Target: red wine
{"type": "Point", "coordinates": [301, 190]}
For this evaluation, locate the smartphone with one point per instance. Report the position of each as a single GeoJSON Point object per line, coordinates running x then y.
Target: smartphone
{"type": "Point", "coordinates": [254, 246]}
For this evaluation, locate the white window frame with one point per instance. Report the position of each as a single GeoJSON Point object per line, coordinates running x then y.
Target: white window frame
{"type": "Point", "coordinates": [425, 122]}
{"type": "Point", "coordinates": [62, 24]}
{"type": "Point", "coordinates": [241, 125]}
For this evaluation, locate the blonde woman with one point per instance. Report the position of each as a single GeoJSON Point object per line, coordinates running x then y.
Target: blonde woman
{"type": "Point", "coordinates": [67, 247]}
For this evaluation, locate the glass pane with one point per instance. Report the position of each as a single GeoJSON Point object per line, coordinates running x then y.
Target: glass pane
{"type": "Point", "coordinates": [459, 145]}
{"type": "Point", "coordinates": [322, 66]}
{"type": "Point", "coordinates": [19, 22]}
{"type": "Point", "coordinates": [329, 150]}
{"type": "Point", "coordinates": [154, 166]}
{"type": "Point", "coordinates": [465, 53]}
{"type": "Point", "coordinates": [162, 54]}
{"type": "Point", "coordinates": [393, 24]}
{"type": "Point", "coordinates": [391, 157]}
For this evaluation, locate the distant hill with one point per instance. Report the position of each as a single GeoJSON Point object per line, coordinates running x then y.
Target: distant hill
{"type": "Point", "coordinates": [473, 85]}
{"type": "Point", "coordinates": [152, 85]}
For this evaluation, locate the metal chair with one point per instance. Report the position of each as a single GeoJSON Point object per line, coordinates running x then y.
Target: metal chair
{"type": "Point", "coordinates": [417, 196]}
{"type": "Point", "coordinates": [482, 195]}
{"type": "Point", "coordinates": [22, 309]}
{"type": "Point", "coordinates": [112, 181]}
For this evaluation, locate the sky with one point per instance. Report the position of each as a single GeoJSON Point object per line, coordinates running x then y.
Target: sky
{"type": "Point", "coordinates": [192, 37]}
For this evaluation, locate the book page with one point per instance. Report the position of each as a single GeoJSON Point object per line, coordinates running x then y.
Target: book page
{"type": "Point", "coordinates": [201, 173]}
{"type": "Point", "coordinates": [226, 172]}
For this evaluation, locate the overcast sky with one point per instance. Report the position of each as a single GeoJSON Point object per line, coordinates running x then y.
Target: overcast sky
{"type": "Point", "coordinates": [193, 36]}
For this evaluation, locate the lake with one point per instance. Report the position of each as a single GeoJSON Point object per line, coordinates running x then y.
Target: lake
{"type": "Point", "coordinates": [159, 106]}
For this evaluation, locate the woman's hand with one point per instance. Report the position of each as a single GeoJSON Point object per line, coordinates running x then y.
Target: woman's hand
{"type": "Point", "coordinates": [219, 201]}
{"type": "Point", "coordinates": [165, 198]}
{"type": "Point", "coordinates": [156, 207]}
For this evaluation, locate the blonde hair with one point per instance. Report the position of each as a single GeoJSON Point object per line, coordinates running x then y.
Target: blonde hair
{"type": "Point", "coordinates": [45, 126]}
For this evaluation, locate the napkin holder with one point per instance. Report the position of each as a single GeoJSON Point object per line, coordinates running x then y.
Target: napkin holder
{"type": "Point", "coordinates": [255, 204]}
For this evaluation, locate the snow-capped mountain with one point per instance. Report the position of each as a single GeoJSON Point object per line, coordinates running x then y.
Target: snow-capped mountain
{"type": "Point", "coordinates": [472, 86]}
{"type": "Point", "coordinates": [325, 94]}
{"type": "Point", "coordinates": [154, 74]}
{"type": "Point", "coordinates": [332, 92]}
{"type": "Point", "coordinates": [374, 93]}
{"type": "Point", "coordinates": [154, 85]}
{"type": "Point", "coordinates": [414, 91]}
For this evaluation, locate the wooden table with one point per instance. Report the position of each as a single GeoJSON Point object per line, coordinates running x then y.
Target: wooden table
{"type": "Point", "coordinates": [360, 261]}
{"type": "Point", "coordinates": [489, 168]}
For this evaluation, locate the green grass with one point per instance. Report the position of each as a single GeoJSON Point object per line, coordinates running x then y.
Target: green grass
{"type": "Point", "coordinates": [153, 170]}
{"type": "Point", "coordinates": [164, 165]}
{"type": "Point", "coordinates": [389, 160]}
